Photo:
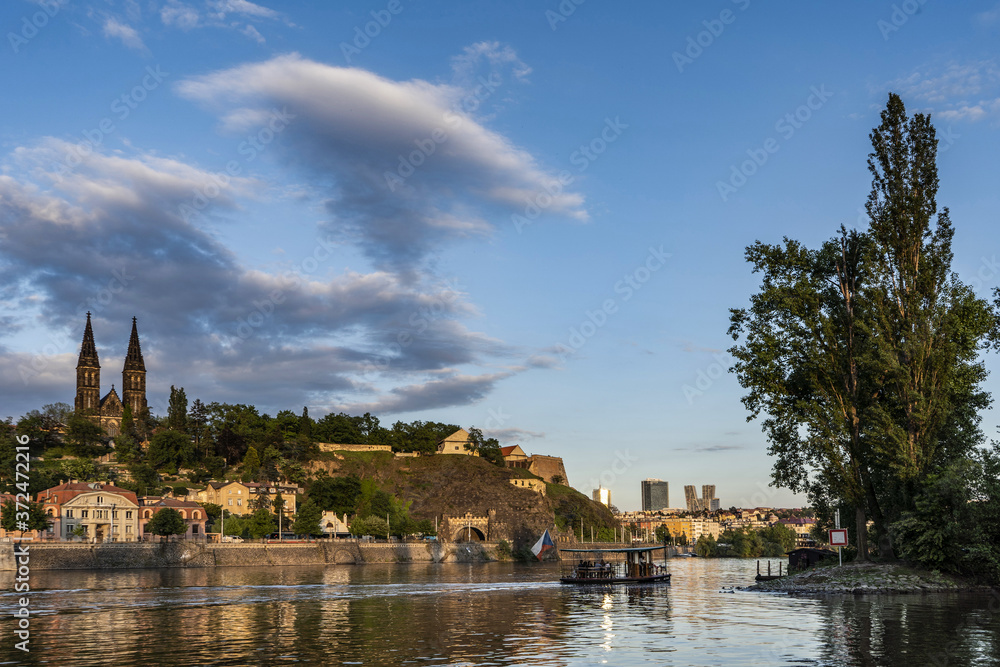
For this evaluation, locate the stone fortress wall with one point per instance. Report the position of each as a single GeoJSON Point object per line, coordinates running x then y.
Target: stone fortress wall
{"type": "Point", "coordinates": [189, 554]}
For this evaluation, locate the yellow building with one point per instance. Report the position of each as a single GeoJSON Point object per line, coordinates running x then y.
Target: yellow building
{"type": "Point", "coordinates": [456, 443]}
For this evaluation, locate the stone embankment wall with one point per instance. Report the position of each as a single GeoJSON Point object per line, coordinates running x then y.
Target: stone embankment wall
{"type": "Point", "coordinates": [190, 554]}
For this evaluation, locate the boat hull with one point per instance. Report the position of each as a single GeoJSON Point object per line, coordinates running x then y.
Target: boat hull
{"type": "Point", "coordinates": [658, 578]}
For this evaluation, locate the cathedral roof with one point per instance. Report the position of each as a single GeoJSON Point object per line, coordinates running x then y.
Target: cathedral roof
{"type": "Point", "coordinates": [107, 396]}
{"type": "Point", "coordinates": [88, 351]}
{"type": "Point", "coordinates": [133, 360]}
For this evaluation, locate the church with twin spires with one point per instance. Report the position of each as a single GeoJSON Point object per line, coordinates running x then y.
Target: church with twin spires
{"type": "Point", "coordinates": [107, 411]}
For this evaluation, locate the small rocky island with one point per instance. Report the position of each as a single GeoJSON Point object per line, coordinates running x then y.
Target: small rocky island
{"type": "Point", "coordinates": [867, 578]}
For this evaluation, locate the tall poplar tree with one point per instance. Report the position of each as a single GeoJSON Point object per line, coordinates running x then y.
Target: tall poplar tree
{"type": "Point", "coordinates": [863, 355]}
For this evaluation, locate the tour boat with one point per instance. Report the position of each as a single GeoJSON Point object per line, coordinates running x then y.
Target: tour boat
{"type": "Point", "coordinates": [627, 565]}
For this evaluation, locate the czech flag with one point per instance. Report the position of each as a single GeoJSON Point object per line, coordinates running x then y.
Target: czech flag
{"type": "Point", "coordinates": [543, 544]}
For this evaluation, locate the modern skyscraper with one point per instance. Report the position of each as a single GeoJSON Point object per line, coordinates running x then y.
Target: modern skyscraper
{"type": "Point", "coordinates": [691, 498]}
{"type": "Point", "coordinates": [655, 495]}
{"type": "Point", "coordinates": [602, 495]}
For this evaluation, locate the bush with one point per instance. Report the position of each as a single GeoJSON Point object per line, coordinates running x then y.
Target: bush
{"type": "Point", "coordinates": [503, 550]}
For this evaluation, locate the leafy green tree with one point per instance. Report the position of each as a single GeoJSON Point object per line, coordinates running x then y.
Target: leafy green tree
{"type": "Point", "coordinates": [781, 536]}
{"type": "Point", "coordinates": [488, 448]}
{"type": "Point", "coordinates": [126, 447]}
{"type": "Point", "coordinates": [144, 477]}
{"type": "Point", "coordinates": [269, 462]}
{"type": "Point", "coordinates": [341, 428]}
{"type": "Point", "coordinates": [251, 465]}
{"type": "Point", "coordinates": [177, 417]}
{"type": "Point", "coordinates": [705, 546]}
{"type": "Point", "coordinates": [308, 518]}
{"type": "Point", "coordinates": [213, 513]}
{"type": "Point", "coordinates": [82, 435]}
{"type": "Point", "coordinates": [197, 424]}
{"type": "Point", "coordinates": [167, 522]}
{"type": "Point", "coordinates": [171, 449]}
{"type": "Point", "coordinates": [336, 494]}
{"type": "Point", "coordinates": [373, 525]}
{"type": "Point", "coordinates": [261, 523]}
{"type": "Point", "coordinates": [662, 534]}
{"type": "Point", "coordinates": [84, 470]}
{"type": "Point", "coordinates": [37, 519]}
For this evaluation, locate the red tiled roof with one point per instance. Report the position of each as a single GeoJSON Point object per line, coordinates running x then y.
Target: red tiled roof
{"type": "Point", "coordinates": [65, 492]}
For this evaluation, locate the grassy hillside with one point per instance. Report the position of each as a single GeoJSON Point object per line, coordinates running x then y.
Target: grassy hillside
{"type": "Point", "coordinates": [454, 485]}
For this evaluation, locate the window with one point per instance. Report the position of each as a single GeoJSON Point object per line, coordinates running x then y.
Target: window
{"type": "Point", "coordinates": [239, 502]}
{"type": "Point", "coordinates": [100, 500]}
{"type": "Point", "coordinates": [128, 514]}
{"type": "Point", "coordinates": [69, 514]}
{"type": "Point", "coordinates": [230, 501]}
{"type": "Point", "coordinates": [128, 529]}
{"type": "Point", "coordinates": [194, 529]}
{"type": "Point", "coordinates": [197, 514]}
{"type": "Point", "coordinates": [115, 514]}
{"type": "Point", "coordinates": [84, 513]}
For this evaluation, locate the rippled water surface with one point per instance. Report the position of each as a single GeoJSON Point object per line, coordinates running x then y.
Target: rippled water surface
{"type": "Point", "coordinates": [480, 614]}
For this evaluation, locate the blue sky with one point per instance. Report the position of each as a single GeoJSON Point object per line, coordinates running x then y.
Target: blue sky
{"type": "Point", "coordinates": [525, 217]}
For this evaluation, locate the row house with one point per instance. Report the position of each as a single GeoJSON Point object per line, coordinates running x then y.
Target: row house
{"type": "Point", "coordinates": [238, 497]}
{"type": "Point", "coordinates": [193, 514]}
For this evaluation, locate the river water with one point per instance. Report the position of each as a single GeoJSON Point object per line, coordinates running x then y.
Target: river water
{"type": "Point", "coordinates": [479, 614]}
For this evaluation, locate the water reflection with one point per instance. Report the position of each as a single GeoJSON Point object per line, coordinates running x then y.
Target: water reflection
{"type": "Point", "coordinates": [495, 614]}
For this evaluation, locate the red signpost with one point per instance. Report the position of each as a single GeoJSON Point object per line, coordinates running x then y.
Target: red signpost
{"type": "Point", "coordinates": [838, 537]}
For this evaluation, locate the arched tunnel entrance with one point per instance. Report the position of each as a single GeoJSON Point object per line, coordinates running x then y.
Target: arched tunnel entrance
{"type": "Point", "coordinates": [469, 534]}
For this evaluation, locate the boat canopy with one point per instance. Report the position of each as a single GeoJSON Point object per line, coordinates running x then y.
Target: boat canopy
{"type": "Point", "coordinates": [622, 550]}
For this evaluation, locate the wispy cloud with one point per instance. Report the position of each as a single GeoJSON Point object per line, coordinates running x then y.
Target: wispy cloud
{"type": "Point", "coordinates": [705, 449]}
{"type": "Point", "coordinates": [126, 33]}
{"type": "Point", "coordinates": [957, 91]}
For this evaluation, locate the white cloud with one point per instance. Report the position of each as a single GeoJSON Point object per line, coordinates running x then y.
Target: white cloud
{"type": "Point", "coordinates": [252, 33]}
{"type": "Point", "coordinates": [126, 33]}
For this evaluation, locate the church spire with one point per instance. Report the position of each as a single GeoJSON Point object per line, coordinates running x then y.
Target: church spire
{"type": "Point", "coordinates": [88, 374]}
{"type": "Point", "coordinates": [133, 360]}
{"type": "Point", "coordinates": [88, 351]}
{"type": "Point", "coordinates": [134, 375]}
